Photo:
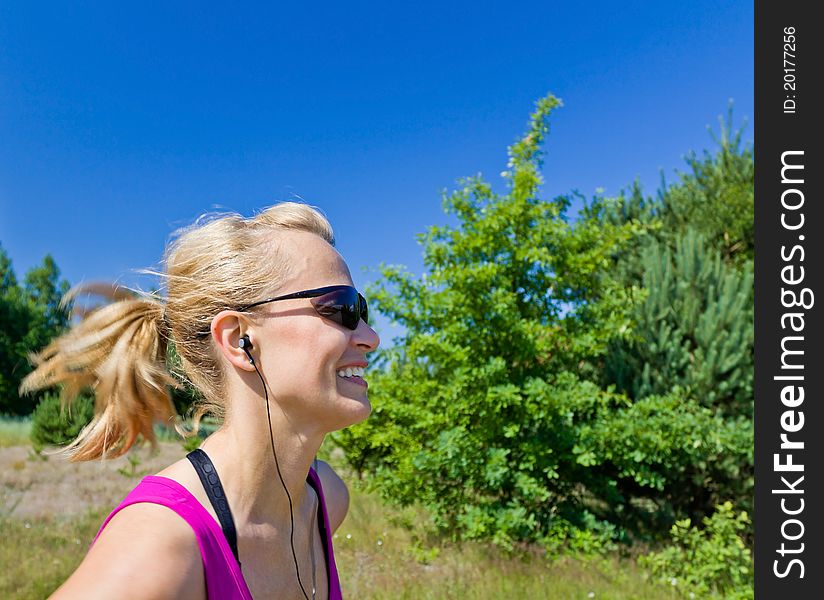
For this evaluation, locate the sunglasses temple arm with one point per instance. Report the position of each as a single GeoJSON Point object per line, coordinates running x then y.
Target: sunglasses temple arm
{"type": "Point", "coordinates": [246, 307]}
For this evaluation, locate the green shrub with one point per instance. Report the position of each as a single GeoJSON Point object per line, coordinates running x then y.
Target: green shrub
{"type": "Point", "coordinates": [712, 560]}
{"type": "Point", "coordinates": [571, 381]}
{"type": "Point", "coordinates": [53, 425]}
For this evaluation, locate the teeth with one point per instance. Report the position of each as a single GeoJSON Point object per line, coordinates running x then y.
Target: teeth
{"type": "Point", "coordinates": [350, 371]}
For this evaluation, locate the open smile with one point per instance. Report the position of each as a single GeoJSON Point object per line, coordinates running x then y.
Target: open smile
{"type": "Point", "coordinates": [353, 375]}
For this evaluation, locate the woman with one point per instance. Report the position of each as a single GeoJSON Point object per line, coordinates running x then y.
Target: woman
{"type": "Point", "coordinates": [268, 327]}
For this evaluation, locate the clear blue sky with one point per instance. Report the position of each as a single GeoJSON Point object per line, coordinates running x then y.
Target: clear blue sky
{"type": "Point", "coordinates": [120, 122]}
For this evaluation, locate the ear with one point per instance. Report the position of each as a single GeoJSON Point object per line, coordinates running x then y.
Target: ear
{"type": "Point", "coordinates": [227, 328]}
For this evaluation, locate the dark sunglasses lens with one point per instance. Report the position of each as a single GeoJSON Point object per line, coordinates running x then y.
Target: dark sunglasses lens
{"type": "Point", "coordinates": [342, 307]}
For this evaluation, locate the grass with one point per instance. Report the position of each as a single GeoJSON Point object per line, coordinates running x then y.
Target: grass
{"type": "Point", "coordinates": [40, 554]}
{"type": "Point", "coordinates": [37, 556]}
{"type": "Point", "coordinates": [14, 431]}
{"type": "Point", "coordinates": [381, 553]}
{"type": "Point", "coordinates": [386, 553]}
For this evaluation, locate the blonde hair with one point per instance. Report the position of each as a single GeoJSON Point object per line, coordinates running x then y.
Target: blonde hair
{"type": "Point", "coordinates": [120, 350]}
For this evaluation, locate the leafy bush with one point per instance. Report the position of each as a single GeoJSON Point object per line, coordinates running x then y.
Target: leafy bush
{"type": "Point", "coordinates": [672, 449]}
{"type": "Point", "coordinates": [479, 407]}
{"type": "Point", "coordinates": [572, 382]}
{"type": "Point", "coordinates": [53, 425]}
{"type": "Point", "coordinates": [712, 560]}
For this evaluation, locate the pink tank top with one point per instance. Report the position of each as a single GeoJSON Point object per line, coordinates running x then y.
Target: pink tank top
{"type": "Point", "coordinates": [224, 579]}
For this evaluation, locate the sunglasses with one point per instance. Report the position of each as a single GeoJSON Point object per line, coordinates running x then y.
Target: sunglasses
{"type": "Point", "coordinates": [342, 304]}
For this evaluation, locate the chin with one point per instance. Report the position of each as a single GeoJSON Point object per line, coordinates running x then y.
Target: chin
{"type": "Point", "coordinates": [353, 411]}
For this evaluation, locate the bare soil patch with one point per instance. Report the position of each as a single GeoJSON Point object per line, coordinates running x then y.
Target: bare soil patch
{"type": "Point", "coordinates": [32, 488]}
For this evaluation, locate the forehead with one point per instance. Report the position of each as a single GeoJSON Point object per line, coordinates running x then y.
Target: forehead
{"type": "Point", "coordinates": [311, 261]}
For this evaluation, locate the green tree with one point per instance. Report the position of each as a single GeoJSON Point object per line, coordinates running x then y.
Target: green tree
{"type": "Point", "coordinates": [564, 379]}
{"type": "Point", "coordinates": [691, 333]}
{"type": "Point", "coordinates": [479, 405]}
{"type": "Point", "coordinates": [13, 328]}
{"type": "Point", "coordinates": [693, 328]}
{"type": "Point", "coordinates": [30, 317]}
{"type": "Point", "coordinates": [716, 196]}
{"type": "Point", "coordinates": [43, 291]}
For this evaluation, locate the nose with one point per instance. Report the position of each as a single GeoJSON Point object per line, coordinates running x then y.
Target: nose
{"type": "Point", "coordinates": [365, 337]}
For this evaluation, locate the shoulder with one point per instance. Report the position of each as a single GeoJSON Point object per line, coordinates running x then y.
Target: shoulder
{"type": "Point", "coordinates": [141, 538]}
{"type": "Point", "coordinates": [335, 493]}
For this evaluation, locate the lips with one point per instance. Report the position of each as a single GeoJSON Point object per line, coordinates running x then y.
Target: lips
{"type": "Point", "coordinates": [353, 372]}
{"type": "Point", "coordinates": [355, 380]}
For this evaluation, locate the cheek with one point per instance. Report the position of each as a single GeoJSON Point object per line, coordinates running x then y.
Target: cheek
{"type": "Point", "coordinates": [312, 351]}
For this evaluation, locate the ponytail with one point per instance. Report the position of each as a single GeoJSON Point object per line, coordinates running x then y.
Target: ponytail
{"type": "Point", "coordinates": [119, 350]}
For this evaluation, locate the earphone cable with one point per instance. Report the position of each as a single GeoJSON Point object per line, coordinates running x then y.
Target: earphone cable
{"type": "Point", "coordinates": [283, 483]}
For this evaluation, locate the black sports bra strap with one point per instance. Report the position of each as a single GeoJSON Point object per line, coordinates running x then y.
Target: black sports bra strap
{"type": "Point", "coordinates": [321, 519]}
{"type": "Point", "coordinates": [211, 483]}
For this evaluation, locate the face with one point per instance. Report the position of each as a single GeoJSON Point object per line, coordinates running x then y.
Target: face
{"type": "Point", "coordinates": [302, 354]}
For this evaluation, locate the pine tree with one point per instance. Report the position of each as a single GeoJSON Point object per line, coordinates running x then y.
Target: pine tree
{"type": "Point", "coordinates": [689, 350]}
{"type": "Point", "coordinates": [693, 330]}
{"type": "Point", "coordinates": [716, 196]}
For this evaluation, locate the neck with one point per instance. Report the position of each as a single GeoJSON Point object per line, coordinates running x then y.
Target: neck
{"type": "Point", "coordinates": [242, 452]}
